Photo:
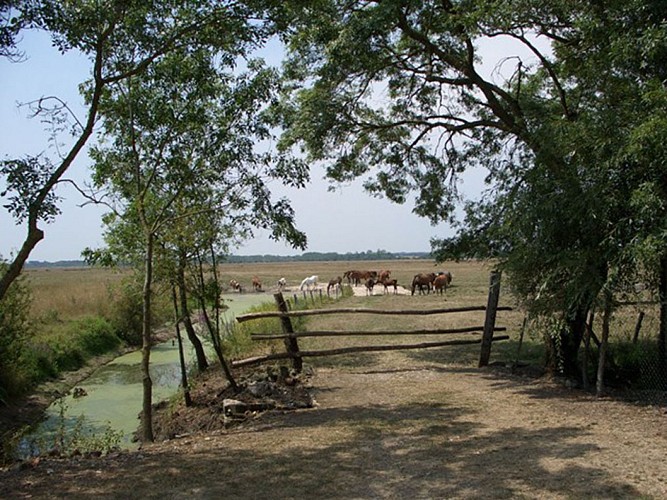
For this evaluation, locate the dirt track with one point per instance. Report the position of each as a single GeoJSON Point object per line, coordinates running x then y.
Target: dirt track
{"type": "Point", "coordinates": [396, 426]}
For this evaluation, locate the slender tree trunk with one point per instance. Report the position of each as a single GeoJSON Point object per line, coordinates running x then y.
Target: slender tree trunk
{"type": "Point", "coordinates": [147, 406]}
{"type": "Point", "coordinates": [181, 357]}
{"type": "Point", "coordinates": [35, 234]}
{"type": "Point", "coordinates": [604, 343]}
{"type": "Point", "coordinates": [213, 330]}
{"type": "Point", "coordinates": [662, 336]}
{"type": "Point", "coordinates": [202, 362]}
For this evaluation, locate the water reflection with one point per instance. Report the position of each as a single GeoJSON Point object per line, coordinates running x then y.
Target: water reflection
{"type": "Point", "coordinates": [114, 391]}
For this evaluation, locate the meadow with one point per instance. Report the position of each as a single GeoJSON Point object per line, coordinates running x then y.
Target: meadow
{"type": "Point", "coordinates": [63, 295]}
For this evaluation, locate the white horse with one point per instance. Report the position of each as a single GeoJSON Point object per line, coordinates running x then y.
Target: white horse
{"type": "Point", "coordinates": [282, 282]}
{"type": "Point", "coordinates": [309, 282]}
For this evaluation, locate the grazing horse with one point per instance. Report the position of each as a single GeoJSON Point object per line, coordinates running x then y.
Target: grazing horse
{"type": "Point", "coordinates": [282, 282]}
{"type": "Point", "coordinates": [309, 282]}
{"type": "Point", "coordinates": [334, 283]}
{"type": "Point", "coordinates": [235, 285]}
{"type": "Point", "coordinates": [370, 283]}
{"type": "Point", "coordinates": [441, 282]}
{"type": "Point", "coordinates": [423, 280]}
{"type": "Point", "coordinates": [383, 275]}
{"type": "Point", "coordinates": [357, 277]}
{"type": "Point", "coordinates": [256, 284]}
{"type": "Point", "coordinates": [389, 282]}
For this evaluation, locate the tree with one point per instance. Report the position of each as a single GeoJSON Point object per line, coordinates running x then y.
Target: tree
{"type": "Point", "coordinates": [121, 40]}
{"type": "Point", "coordinates": [394, 91]}
{"type": "Point", "coordinates": [11, 23]}
{"type": "Point", "coordinates": [180, 158]}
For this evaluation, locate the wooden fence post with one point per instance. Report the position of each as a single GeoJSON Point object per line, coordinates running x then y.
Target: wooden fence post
{"type": "Point", "coordinates": [490, 321]}
{"type": "Point", "coordinates": [290, 342]}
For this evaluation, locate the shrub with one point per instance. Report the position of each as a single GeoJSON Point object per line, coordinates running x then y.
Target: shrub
{"type": "Point", "coordinates": [15, 331]}
{"type": "Point", "coordinates": [126, 316]}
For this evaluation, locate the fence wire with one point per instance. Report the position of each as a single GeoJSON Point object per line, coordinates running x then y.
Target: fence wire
{"type": "Point", "coordinates": [635, 367]}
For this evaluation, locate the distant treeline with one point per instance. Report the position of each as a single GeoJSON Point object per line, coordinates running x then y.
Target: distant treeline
{"type": "Point", "coordinates": [305, 257]}
{"type": "Point", "coordinates": [329, 256]}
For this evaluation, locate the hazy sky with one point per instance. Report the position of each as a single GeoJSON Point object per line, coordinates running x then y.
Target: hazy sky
{"type": "Point", "coordinates": [347, 220]}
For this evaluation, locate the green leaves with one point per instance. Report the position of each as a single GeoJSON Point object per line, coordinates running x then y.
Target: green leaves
{"type": "Point", "coordinates": [24, 181]}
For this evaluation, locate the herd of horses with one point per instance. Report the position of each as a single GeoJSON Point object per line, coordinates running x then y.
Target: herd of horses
{"type": "Point", "coordinates": [424, 283]}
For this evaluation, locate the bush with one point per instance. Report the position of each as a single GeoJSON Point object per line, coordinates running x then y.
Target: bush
{"type": "Point", "coordinates": [126, 316]}
{"type": "Point", "coordinates": [634, 365]}
{"type": "Point", "coordinates": [15, 328]}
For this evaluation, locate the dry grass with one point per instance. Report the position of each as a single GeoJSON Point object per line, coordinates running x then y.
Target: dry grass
{"type": "Point", "coordinates": [69, 293]}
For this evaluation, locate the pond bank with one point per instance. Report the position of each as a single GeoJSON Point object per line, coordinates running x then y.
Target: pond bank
{"type": "Point", "coordinates": [29, 410]}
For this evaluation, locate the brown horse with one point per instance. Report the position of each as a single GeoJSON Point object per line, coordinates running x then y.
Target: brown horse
{"type": "Point", "coordinates": [256, 284]}
{"type": "Point", "coordinates": [336, 282]}
{"type": "Point", "coordinates": [357, 277]}
{"type": "Point", "coordinates": [422, 280]}
{"type": "Point", "coordinates": [389, 282]}
{"type": "Point", "coordinates": [383, 275]}
{"type": "Point", "coordinates": [370, 283]}
{"type": "Point", "coordinates": [442, 281]}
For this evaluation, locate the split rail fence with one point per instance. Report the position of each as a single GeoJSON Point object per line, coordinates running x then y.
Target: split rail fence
{"type": "Point", "coordinates": [293, 352]}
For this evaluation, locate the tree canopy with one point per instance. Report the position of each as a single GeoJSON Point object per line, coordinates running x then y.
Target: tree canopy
{"type": "Point", "coordinates": [394, 91]}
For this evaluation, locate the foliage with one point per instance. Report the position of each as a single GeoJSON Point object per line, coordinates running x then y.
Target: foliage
{"type": "Point", "coordinates": [121, 40]}
{"type": "Point", "coordinates": [67, 348]}
{"type": "Point", "coordinates": [125, 316]}
{"type": "Point", "coordinates": [572, 141]}
{"type": "Point", "coordinates": [15, 333]}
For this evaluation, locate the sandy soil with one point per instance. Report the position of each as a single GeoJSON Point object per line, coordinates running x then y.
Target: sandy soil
{"type": "Point", "coordinates": [392, 425]}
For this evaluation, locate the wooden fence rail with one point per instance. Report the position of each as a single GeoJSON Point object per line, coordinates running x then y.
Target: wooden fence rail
{"type": "Point", "coordinates": [293, 352]}
{"type": "Point", "coordinates": [350, 333]}
{"type": "Point", "coordinates": [361, 310]}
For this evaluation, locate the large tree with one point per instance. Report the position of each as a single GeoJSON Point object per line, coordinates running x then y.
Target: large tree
{"type": "Point", "coordinates": [121, 39]}
{"type": "Point", "coordinates": [180, 160]}
{"type": "Point", "coordinates": [395, 91]}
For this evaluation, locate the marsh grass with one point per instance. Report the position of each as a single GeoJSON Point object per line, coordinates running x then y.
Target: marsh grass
{"type": "Point", "coordinates": [61, 294]}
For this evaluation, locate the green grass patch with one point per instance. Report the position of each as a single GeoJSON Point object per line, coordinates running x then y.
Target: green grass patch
{"type": "Point", "coordinates": [66, 346]}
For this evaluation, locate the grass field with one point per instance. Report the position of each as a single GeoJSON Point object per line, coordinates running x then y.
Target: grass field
{"type": "Point", "coordinates": [69, 293]}
{"type": "Point", "coordinates": [470, 286]}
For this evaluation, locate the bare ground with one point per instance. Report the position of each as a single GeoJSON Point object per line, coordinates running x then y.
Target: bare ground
{"type": "Point", "coordinates": [392, 425]}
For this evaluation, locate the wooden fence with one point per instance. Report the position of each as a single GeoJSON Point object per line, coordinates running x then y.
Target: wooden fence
{"type": "Point", "coordinates": [293, 352]}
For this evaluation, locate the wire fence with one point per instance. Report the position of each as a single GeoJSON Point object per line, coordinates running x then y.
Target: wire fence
{"type": "Point", "coordinates": [634, 368]}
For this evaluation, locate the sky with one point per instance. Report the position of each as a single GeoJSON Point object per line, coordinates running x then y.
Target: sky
{"type": "Point", "coordinates": [345, 220]}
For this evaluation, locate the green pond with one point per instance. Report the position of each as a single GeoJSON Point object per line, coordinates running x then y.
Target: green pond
{"type": "Point", "coordinates": [114, 391]}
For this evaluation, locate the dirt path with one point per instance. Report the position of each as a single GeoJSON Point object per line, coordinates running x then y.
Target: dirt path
{"type": "Point", "coordinates": [399, 427]}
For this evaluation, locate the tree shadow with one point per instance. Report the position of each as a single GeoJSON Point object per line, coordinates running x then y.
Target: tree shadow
{"type": "Point", "coordinates": [430, 450]}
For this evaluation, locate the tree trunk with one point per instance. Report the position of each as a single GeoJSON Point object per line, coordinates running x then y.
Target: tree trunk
{"type": "Point", "coordinates": [604, 342]}
{"type": "Point", "coordinates": [147, 406]}
{"type": "Point", "coordinates": [202, 362]}
{"type": "Point", "coordinates": [662, 336]}
{"type": "Point", "coordinates": [563, 348]}
{"type": "Point", "coordinates": [571, 341]}
{"type": "Point", "coordinates": [35, 235]}
{"type": "Point", "coordinates": [181, 357]}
